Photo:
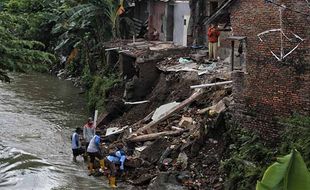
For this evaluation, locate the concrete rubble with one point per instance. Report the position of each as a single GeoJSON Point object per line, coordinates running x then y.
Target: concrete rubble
{"type": "Point", "coordinates": [170, 139]}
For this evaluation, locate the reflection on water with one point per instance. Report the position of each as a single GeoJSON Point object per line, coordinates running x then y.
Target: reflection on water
{"type": "Point", "coordinates": [37, 116]}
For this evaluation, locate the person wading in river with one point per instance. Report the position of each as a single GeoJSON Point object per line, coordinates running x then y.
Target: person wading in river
{"type": "Point", "coordinates": [112, 159]}
{"type": "Point", "coordinates": [94, 151]}
{"type": "Point", "coordinates": [76, 144]}
{"type": "Point", "coordinates": [88, 132]}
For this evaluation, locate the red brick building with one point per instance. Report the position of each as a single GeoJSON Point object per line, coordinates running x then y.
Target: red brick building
{"type": "Point", "coordinates": [276, 81]}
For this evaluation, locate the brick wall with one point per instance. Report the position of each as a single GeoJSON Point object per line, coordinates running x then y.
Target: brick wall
{"type": "Point", "coordinates": [271, 88]}
{"type": "Point", "coordinates": [157, 13]}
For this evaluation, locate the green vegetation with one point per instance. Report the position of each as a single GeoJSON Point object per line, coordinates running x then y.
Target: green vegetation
{"type": "Point", "coordinates": [97, 93]}
{"type": "Point", "coordinates": [288, 173]}
{"type": "Point", "coordinates": [81, 29]}
{"type": "Point", "coordinates": [20, 49]}
{"type": "Point", "coordinates": [296, 135]}
{"type": "Point", "coordinates": [247, 158]}
{"type": "Point", "coordinates": [248, 155]}
{"type": "Point", "coordinates": [34, 32]}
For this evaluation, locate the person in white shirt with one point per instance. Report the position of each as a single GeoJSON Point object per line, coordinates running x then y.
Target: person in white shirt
{"type": "Point", "coordinates": [76, 144]}
{"type": "Point", "coordinates": [94, 151]}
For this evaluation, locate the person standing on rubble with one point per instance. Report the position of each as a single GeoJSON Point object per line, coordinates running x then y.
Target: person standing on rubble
{"type": "Point", "coordinates": [94, 151]}
{"type": "Point", "coordinates": [88, 131]}
{"type": "Point", "coordinates": [117, 157]}
{"type": "Point", "coordinates": [213, 36]}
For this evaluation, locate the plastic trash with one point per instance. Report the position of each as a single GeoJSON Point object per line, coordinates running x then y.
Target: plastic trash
{"type": "Point", "coordinates": [183, 60]}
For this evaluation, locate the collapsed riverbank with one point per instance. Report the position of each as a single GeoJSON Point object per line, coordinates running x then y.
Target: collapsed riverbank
{"type": "Point", "coordinates": [176, 136]}
{"type": "Point", "coordinates": [196, 147]}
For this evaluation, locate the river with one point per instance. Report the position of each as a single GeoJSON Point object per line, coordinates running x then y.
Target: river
{"type": "Point", "coordinates": [38, 114]}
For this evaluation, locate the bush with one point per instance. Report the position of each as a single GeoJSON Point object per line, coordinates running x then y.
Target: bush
{"type": "Point", "coordinates": [248, 155]}
{"type": "Point", "coordinates": [296, 135]}
{"type": "Point", "coordinates": [97, 93]}
{"type": "Point", "coordinates": [246, 158]}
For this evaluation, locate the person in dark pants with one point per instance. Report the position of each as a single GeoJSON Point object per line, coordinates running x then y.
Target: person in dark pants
{"type": "Point", "coordinates": [111, 160]}
{"type": "Point", "coordinates": [93, 150]}
{"type": "Point", "coordinates": [76, 144]}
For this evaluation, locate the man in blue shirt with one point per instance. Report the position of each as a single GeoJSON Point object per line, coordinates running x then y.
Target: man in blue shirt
{"type": "Point", "coordinates": [76, 144]}
{"type": "Point", "coordinates": [93, 150]}
{"type": "Point", "coordinates": [117, 157]}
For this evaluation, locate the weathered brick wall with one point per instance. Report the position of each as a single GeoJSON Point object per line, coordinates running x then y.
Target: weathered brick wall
{"type": "Point", "coordinates": [271, 88]}
{"type": "Point", "coordinates": [157, 12]}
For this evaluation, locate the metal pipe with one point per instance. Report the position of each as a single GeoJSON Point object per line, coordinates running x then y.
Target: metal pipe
{"type": "Point", "coordinates": [211, 84]}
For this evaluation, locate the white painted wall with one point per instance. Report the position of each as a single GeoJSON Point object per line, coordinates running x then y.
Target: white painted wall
{"type": "Point", "coordinates": [181, 14]}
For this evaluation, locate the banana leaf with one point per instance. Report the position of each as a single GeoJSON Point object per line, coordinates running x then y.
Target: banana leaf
{"type": "Point", "coordinates": [288, 173]}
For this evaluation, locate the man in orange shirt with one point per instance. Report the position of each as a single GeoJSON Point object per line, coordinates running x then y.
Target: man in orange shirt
{"type": "Point", "coordinates": [213, 35]}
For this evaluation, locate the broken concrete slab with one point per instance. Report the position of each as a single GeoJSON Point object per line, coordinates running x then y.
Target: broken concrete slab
{"type": "Point", "coordinates": [163, 109]}
{"type": "Point", "coordinates": [190, 67]}
{"type": "Point", "coordinates": [115, 130]}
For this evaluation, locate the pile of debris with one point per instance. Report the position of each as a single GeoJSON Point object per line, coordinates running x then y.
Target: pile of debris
{"type": "Point", "coordinates": [175, 143]}
{"type": "Point", "coordinates": [173, 137]}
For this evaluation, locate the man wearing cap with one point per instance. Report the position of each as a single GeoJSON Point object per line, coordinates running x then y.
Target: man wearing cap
{"type": "Point", "coordinates": [88, 131]}
{"type": "Point", "coordinates": [75, 144]}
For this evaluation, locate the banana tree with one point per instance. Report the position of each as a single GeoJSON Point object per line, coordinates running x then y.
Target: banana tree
{"type": "Point", "coordinates": [94, 20]}
{"type": "Point", "coordinates": [288, 173]}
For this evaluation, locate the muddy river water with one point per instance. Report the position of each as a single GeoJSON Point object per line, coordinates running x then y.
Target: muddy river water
{"type": "Point", "coordinates": [37, 116]}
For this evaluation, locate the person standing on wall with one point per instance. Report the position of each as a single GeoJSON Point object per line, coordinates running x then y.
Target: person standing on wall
{"type": "Point", "coordinates": [213, 37]}
{"type": "Point", "coordinates": [88, 132]}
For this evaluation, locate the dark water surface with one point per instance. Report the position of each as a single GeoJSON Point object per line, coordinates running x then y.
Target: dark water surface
{"type": "Point", "coordinates": [37, 116]}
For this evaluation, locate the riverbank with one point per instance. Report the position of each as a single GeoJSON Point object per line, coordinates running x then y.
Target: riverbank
{"type": "Point", "coordinates": [177, 137]}
{"type": "Point", "coordinates": [186, 138]}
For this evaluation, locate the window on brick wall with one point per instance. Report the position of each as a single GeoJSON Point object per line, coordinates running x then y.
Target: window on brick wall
{"type": "Point", "coordinates": [238, 52]}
